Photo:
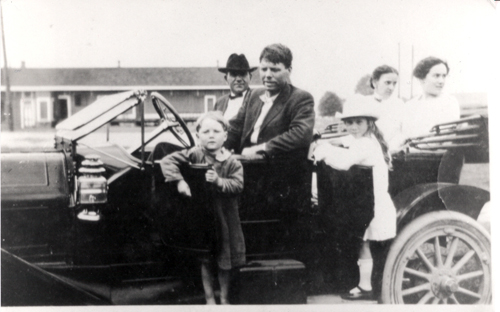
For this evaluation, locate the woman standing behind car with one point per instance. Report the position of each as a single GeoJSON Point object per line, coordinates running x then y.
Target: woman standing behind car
{"type": "Point", "coordinates": [383, 81]}
{"type": "Point", "coordinates": [432, 107]}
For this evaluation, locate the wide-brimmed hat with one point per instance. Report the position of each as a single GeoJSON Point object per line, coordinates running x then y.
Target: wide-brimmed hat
{"type": "Point", "coordinates": [237, 63]}
{"type": "Point", "coordinates": [360, 106]}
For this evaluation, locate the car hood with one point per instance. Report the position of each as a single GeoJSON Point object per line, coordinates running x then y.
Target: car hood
{"type": "Point", "coordinates": [97, 114]}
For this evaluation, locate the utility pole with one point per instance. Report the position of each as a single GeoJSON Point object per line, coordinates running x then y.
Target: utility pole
{"type": "Point", "coordinates": [6, 76]}
{"type": "Point", "coordinates": [399, 69]}
{"type": "Point", "coordinates": [412, 62]}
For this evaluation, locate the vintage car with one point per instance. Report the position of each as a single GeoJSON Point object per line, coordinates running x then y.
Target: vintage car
{"type": "Point", "coordinates": [86, 224]}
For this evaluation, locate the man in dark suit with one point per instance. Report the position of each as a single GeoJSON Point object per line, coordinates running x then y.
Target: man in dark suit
{"type": "Point", "coordinates": [238, 74]}
{"type": "Point", "coordinates": [277, 121]}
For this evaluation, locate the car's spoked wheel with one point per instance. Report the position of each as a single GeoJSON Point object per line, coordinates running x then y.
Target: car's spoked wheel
{"type": "Point", "coordinates": [442, 257]}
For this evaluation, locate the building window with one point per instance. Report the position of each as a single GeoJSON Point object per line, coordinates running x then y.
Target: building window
{"type": "Point", "coordinates": [209, 103]}
{"type": "Point", "coordinates": [43, 109]}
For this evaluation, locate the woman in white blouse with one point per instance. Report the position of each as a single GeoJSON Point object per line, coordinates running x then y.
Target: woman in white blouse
{"type": "Point", "coordinates": [383, 81]}
{"type": "Point", "coordinates": [432, 106]}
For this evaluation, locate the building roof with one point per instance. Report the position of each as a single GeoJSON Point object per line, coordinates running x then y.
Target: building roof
{"type": "Point", "coordinates": [85, 79]}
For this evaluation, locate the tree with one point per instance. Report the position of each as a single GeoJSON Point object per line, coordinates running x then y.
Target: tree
{"type": "Point", "coordinates": [363, 87]}
{"type": "Point", "coordinates": [330, 104]}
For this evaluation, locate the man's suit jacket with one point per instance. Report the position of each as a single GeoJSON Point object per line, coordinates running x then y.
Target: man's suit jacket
{"type": "Point", "coordinates": [221, 103]}
{"type": "Point", "coordinates": [287, 128]}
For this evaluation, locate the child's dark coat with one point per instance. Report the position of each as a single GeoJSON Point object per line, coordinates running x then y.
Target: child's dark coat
{"type": "Point", "coordinates": [230, 241]}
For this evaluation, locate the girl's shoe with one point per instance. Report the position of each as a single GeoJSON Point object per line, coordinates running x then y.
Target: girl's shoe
{"type": "Point", "coordinates": [359, 295]}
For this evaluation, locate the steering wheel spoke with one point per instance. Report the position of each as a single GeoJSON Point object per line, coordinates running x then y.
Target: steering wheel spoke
{"type": "Point", "coordinates": [174, 122]}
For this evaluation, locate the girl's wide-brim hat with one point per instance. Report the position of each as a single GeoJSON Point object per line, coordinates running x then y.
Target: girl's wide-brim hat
{"type": "Point", "coordinates": [360, 106]}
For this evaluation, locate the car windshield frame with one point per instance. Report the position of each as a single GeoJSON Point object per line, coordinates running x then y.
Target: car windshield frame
{"type": "Point", "coordinates": [98, 114]}
{"type": "Point", "coordinates": [102, 112]}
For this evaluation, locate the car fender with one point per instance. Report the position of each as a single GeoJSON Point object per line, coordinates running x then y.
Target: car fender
{"type": "Point", "coordinates": [25, 284]}
{"type": "Point", "coordinates": [420, 199]}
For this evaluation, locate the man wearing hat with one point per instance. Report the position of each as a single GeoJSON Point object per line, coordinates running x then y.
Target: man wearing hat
{"type": "Point", "coordinates": [277, 121]}
{"type": "Point", "coordinates": [238, 74]}
{"type": "Point", "coordinates": [279, 118]}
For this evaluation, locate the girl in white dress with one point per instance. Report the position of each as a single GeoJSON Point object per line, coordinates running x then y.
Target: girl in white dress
{"type": "Point", "coordinates": [367, 148]}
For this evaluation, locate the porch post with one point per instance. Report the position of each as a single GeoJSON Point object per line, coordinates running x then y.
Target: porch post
{"type": "Point", "coordinates": [8, 101]}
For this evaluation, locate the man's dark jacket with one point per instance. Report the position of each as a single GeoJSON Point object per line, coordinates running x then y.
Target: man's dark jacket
{"type": "Point", "coordinates": [283, 186]}
{"type": "Point", "coordinates": [287, 128]}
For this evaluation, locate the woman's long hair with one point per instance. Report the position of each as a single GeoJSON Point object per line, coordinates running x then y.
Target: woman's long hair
{"type": "Point", "coordinates": [373, 129]}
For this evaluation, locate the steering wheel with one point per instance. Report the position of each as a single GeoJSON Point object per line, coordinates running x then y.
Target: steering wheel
{"type": "Point", "coordinates": [163, 108]}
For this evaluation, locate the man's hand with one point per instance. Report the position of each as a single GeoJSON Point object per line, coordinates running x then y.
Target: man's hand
{"type": "Point", "coordinates": [183, 188]}
{"type": "Point", "coordinates": [253, 149]}
{"type": "Point", "coordinates": [212, 177]}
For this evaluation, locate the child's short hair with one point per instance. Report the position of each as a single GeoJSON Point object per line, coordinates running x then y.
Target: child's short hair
{"type": "Point", "coordinates": [214, 115]}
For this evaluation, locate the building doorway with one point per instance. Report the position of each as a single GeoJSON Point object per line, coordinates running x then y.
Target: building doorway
{"type": "Point", "coordinates": [28, 111]}
{"type": "Point", "coordinates": [62, 109]}
{"type": "Point", "coordinates": [3, 110]}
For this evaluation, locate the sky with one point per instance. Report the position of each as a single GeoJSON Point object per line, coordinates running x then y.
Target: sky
{"type": "Point", "coordinates": [334, 43]}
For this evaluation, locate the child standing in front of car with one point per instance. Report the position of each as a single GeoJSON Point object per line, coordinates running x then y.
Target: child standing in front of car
{"type": "Point", "coordinates": [227, 178]}
{"type": "Point", "coordinates": [367, 147]}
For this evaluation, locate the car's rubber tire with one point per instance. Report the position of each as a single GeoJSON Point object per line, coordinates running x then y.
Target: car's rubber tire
{"type": "Point", "coordinates": [408, 279]}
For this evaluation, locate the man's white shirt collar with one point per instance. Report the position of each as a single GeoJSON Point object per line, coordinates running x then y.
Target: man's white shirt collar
{"type": "Point", "coordinates": [268, 103]}
{"type": "Point", "coordinates": [267, 99]}
{"type": "Point", "coordinates": [233, 106]}
{"type": "Point", "coordinates": [242, 95]}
